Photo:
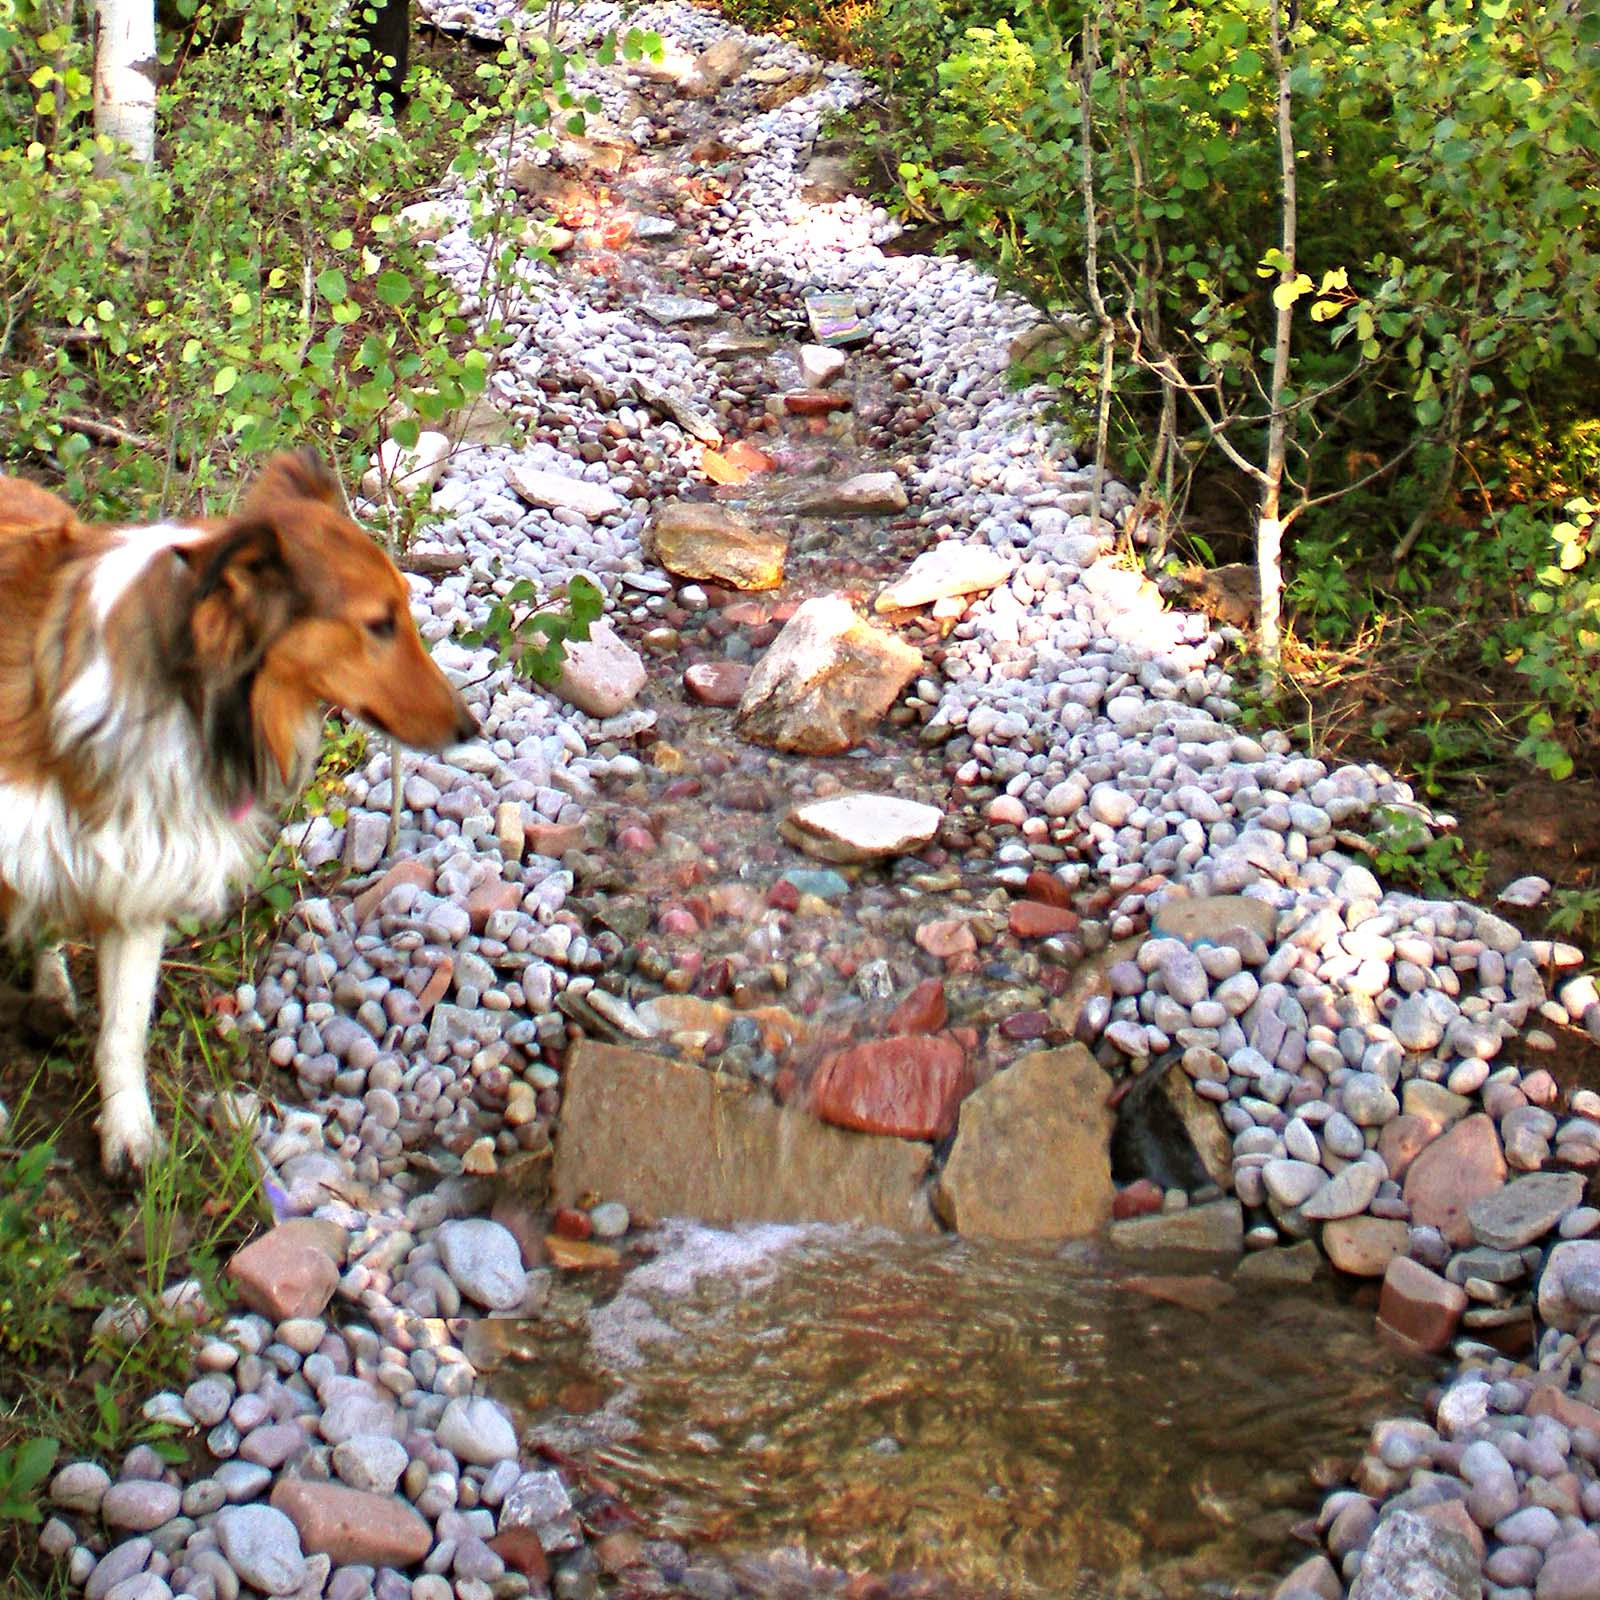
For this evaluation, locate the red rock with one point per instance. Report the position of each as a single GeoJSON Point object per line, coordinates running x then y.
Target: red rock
{"type": "Point", "coordinates": [1035, 919]}
{"type": "Point", "coordinates": [910, 1087]}
{"type": "Point", "coordinates": [520, 1549]}
{"type": "Point", "coordinates": [637, 841]}
{"type": "Point", "coordinates": [1141, 1198]}
{"type": "Point", "coordinates": [677, 919]}
{"type": "Point", "coordinates": [717, 683]}
{"type": "Point", "coordinates": [409, 871]}
{"type": "Point", "coordinates": [1419, 1307]}
{"type": "Point", "coordinates": [682, 789]}
{"type": "Point", "coordinates": [1549, 1400]}
{"type": "Point", "coordinates": [783, 896]}
{"type": "Point", "coordinates": [1048, 888]}
{"type": "Point", "coordinates": [1459, 1167]}
{"type": "Point", "coordinates": [815, 402]}
{"type": "Point", "coordinates": [555, 838]}
{"type": "Point", "coordinates": [290, 1272]}
{"type": "Point", "coordinates": [1192, 1291]}
{"type": "Point", "coordinates": [1453, 1514]}
{"type": "Point", "coordinates": [495, 895]}
{"type": "Point", "coordinates": [437, 986]}
{"type": "Point", "coordinates": [950, 936]}
{"type": "Point", "coordinates": [1026, 1025]}
{"type": "Point", "coordinates": [353, 1527]}
{"type": "Point", "coordinates": [922, 1011]}
{"type": "Point", "coordinates": [746, 614]}
{"type": "Point", "coordinates": [570, 1223]}
{"type": "Point", "coordinates": [747, 457]}
{"type": "Point", "coordinates": [1402, 1140]}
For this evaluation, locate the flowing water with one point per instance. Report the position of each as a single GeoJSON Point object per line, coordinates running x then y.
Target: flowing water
{"type": "Point", "coordinates": [1003, 1422]}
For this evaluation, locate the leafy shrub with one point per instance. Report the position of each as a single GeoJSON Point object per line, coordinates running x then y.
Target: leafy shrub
{"type": "Point", "coordinates": [37, 1257]}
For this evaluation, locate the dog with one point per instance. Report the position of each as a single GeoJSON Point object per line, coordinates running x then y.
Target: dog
{"type": "Point", "coordinates": [161, 695]}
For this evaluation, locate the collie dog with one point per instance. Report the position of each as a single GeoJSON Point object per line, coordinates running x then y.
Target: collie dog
{"type": "Point", "coordinates": [161, 694]}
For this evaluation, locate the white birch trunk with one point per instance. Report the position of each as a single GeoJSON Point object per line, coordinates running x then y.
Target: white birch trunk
{"type": "Point", "coordinates": [125, 78]}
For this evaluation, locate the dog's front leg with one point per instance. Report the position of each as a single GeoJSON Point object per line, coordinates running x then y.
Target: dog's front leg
{"type": "Point", "coordinates": [130, 966]}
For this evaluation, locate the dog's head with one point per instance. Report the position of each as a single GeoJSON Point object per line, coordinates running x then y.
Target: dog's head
{"type": "Point", "coordinates": [293, 607]}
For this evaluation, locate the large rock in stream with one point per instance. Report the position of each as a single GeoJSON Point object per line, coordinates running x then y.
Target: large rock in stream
{"type": "Point", "coordinates": [677, 1141]}
{"type": "Point", "coordinates": [825, 681]}
{"type": "Point", "coordinates": [703, 540]}
{"type": "Point", "coordinates": [1031, 1158]}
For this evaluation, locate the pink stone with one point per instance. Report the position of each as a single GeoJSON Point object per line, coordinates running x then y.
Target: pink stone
{"type": "Point", "coordinates": [1035, 919]}
{"type": "Point", "coordinates": [437, 986]}
{"type": "Point", "coordinates": [910, 1087]}
{"type": "Point", "coordinates": [1541, 1089]}
{"type": "Point", "coordinates": [352, 1526]}
{"type": "Point", "coordinates": [289, 1272]}
{"type": "Point", "coordinates": [676, 919]}
{"type": "Point", "coordinates": [1459, 1167]}
{"type": "Point", "coordinates": [950, 936]}
{"type": "Point", "coordinates": [922, 1011]}
{"type": "Point", "coordinates": [1006, 808]}
{"type": "Point", "coordinates": [717, 683]}
{"type": "Point", "coordinates": [495, 895]}
{"type": "Point", "coordinates": [408, 871]}
{"type": "Point", "coordinates": [1419, 1307]}
{"type": "Point", "coordinates": [639, 841]}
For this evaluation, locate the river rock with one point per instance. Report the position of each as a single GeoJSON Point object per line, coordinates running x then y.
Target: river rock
{"type": "Point", "coordinates": [557, 492]}
{"type": "Point", "coordinates": [1215, 919]}
{"type": "Point", "coordinates": [1214, 1229]}
{"type": "Point", "coordinates": [1569, 1286]}
{"type": "Point", "coordinates": [861, 827]}
{"type": "Point", "coordinates": [1346, 1194]}
{"type": "Point", "coordinates": [291, 1271]}
{"type": "Point", "coordinates": [263, 1546]}
{"type": "Point", "coordinates": [717, 66]}
{"type": "Point", "coordinates": [825, 681]}
{"type": "Point", "coordinates": [910, 1087]}
{"type": "Point", "coordinates": [698, 539]}
{"type": "Point", "coordinates": [949, 568]}
{"type": "Point", "coordinates": [378, 1530]}
{"type": "Point", "coordinates": [1364, 1246]}
{"type": "Point", "coordinates": [1418, 1306]}
{"type": "Point", "coordinates": [600, 675]}
{"type": "Point", "coordinates": [869, 494]}
{"type": "Point", "coordinates": [628, 1118]}
{"type": "Point", "coordinates": [478, 1431]}
{"type": "Point", "coordinates": [484, 1262]}
{"type": "Point", "coordinates": [1458, 1168]}
{"type": "Point", "coordinates": [1410, 1556]}
{"type": "Point", "coordinates": [1031, 1158]}
{"type": "Point", "coordinates": [407, 469]}
{"type": "Point", "coordinates": [1525, 1210]}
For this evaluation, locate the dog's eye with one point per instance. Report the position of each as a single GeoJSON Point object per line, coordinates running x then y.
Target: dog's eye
{"type": "Point", "coordinates": [382, 627]}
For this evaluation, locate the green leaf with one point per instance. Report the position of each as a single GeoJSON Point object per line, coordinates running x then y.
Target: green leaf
{"type": "Point", "coordinates": [393, 288]}
{"type": "Point", "coordinates": [224, 380]}
{"type": "Point", "coordinates": [331, 285]}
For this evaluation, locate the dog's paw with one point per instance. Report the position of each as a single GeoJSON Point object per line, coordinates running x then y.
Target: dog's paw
{"type": "Point", "coordinates": [128, 1140]}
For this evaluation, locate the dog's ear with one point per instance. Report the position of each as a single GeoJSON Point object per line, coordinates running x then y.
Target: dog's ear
{"type": "Point", "coordinates": [295, 475]}
{"type": "Point", "coordinates": [243, 597]}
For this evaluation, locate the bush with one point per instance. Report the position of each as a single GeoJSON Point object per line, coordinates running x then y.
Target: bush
{"type": "Point", "coordinates": [254, 288]}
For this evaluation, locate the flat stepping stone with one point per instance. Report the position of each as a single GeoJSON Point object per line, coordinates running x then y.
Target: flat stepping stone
{"type": "Point", "coordinates": [949, 568]}
{"type": "Point", "coordinates": [555, 491]}
{"type": "Point", "coordinates": [671, 309]}
{"type": "Point", "coordinates": [1525, 1210]}
{"type": "Point", "coordinates": [862, 827]}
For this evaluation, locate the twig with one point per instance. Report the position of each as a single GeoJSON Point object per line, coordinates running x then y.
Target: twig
{"type": "Point", "coordinates": [111, 433]}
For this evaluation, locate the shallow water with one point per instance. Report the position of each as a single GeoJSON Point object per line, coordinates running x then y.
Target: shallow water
{"type": "Point", "coordinates": [1013, 1423]}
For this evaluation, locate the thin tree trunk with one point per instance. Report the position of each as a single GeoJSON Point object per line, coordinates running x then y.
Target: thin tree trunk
{"type": "Point", "coordinates": [1269, 522]}
{"type": "Point", "coordinates": [1091, 228]}
{"type": "Point", "coordinates": [125, 80]}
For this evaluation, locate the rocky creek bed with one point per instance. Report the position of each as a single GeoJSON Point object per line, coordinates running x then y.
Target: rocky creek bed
{"type": "Point", "coordinates": [890, 853]}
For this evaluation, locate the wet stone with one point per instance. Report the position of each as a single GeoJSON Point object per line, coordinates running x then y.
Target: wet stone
{"type": "Point", "coordinates": [1525, 1210]}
